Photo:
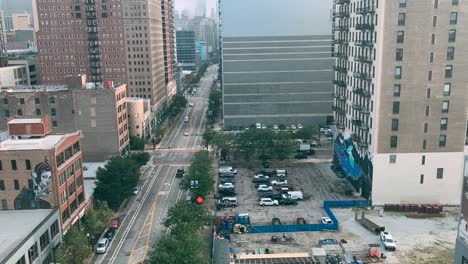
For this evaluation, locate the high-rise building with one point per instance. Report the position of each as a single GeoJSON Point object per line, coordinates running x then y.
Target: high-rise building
{"type": "Point", "coordinates": [186, 50]}
{"type": "Point", "coordinates": [120, 41]}
{"type": "Point", "coordinates": [277, 68]}
{"type": "Point", "coordinates": [401, 99]}
{"type": "Point", "coordinates": [167, 10]}
{"type": "Point", "coordinates": [200, 8]}
{"type": "Point", "coordinates": [3, 50]}
{"type": "Point", "coordinates": [22, 21]}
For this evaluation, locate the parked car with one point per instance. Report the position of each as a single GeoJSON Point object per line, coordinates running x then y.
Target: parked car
{"type": "Point", "coordinates": [102, 245]}
{"type": "Point", "coordinates": [229, 201]}
{"type": "Point", "coordinates": [274, 196]}
{"type": "Point", "coordinates": [265, 164]}
{"type": "Point", "coordinates": [293, 127]}
{"type": "Point", "coordinates": [299, 126]}
{"type": "Point", "coordinates": [275, 127]}
{"type": "Point", "coordinates": [264, 172]}
{"type": "Point", "coordinates": [180, 173]}
{"type": "Point", "coordinates": [287, 202]}
{"type": "Point", "coordinates": [114, 223]}
{"type": "Point", "coordinates": [110, 233]}
{"type": "Point", "coordinates": [226, 175]}
{"type": "Point", "coordinates": [226, 185]}
{"type": "Point", "coordinates": [301, 221]}
{"type": "Point", "coordinates": [315, 143]}
{"type": "Point", "coordinates": [264, 188]}
{"type": "Point", "coordinates": [279, 182]}
{"type": "Point", "coordinates": [264, 126]}
{"type": "Point", "coordinates": [261, 176]}
{"type": "Point", "coordinates": [326, 220]}
{"type": "Point", "coordinates": [224, 180]}
{"type": "Point", "coordinates": [260, 180]}
{"type": "Point", "coordinates": [136, 190]}
{"type": "Point", "coordinates": [282, 127]}
{"type": "Point", "coordinates": [387, 240]}
{"type": "Point", "coordinates": [227, 192]}
{"type": "Point", "coordinates": [300, 156]}
{"type": "Point", "coordinates": [295, 195]}
{"type": "Point", "coordinates": [284, 187]}
{"type": "Point", "coordinates": [267, 201]}
{"type": "Point", "coordinates": [280, 173]}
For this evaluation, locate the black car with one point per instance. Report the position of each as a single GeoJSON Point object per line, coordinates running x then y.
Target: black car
{"type": "Point", "coordinates": [266, 164]}
{"type": "Point", "coordinates": [227, 192]}
{"type": "Point", "coordinates": [287, 202]}
{"type": "Point", "coordinates": [110, 234]}
{"type": "Point", "coordinates": [264, 172]}
{"type": "Point", "coordinates": [300, 156]}
{"type": "Point", "coordinates": [274, 196]}
{"type": "Point", "coordinates": [260, 180]}
{"type": "Point", "coordinates": [226, 175]}
{"type": "Point", "coordinates": [282, 127]}
{"type": "Point", "coordinates": [180, 173]}
{"type": "Point", "coordinates": [224, 180]}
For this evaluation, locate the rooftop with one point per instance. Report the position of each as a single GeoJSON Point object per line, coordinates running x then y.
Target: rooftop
{"type": "Point", "coordinates": [17, 225]}
{"type": "Point", "coordinates": [26, 121]}
{"type": "Point", "coordinates": [47, 142]}
{"type": "Point", "coordinates": [89, 175]}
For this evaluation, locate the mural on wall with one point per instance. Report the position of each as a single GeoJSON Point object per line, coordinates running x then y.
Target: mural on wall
{"type": "Point", "coordinates": [40, 196]}
{"type": "Point", "coordinates": [463, 228]}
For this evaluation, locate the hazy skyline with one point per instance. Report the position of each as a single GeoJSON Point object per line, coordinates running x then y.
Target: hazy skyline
{"type": "Point", "coordinates": [190, 5]}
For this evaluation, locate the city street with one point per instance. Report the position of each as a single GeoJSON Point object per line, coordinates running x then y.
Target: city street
{"type": "Point", "coordinates": [143, 215]}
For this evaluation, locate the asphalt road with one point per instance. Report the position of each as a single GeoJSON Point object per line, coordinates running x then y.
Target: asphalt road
{"type": "Point", "coordinates": [141, 226]}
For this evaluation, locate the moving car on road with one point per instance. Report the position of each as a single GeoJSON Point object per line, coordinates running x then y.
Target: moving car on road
{"type": "Point", "coordinates": [180, 173]}
{"type": "Point", "coordinates": [267, 201]}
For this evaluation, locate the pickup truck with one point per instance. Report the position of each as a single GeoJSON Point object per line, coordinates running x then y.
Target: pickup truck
{"type": "Point", "coordinates": [387, 240]}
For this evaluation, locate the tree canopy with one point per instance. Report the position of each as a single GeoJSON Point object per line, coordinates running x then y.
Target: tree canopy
{"type": "Point", "coordinates": [74, 248]}
{"type": "Point", "coordinates": [200, 179]}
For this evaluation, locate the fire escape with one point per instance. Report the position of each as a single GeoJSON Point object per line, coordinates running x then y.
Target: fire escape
{"type": "Point", "coordinates": [93, 40]}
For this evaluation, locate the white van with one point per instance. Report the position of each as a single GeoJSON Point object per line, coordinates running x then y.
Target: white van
{"type": "Point", "coordinates": [230, 200]}
{"type": "Point", "coordinates": [293, 195]}
{"type": "Point", "coordinates": [281, 173]}
{"type": "Point", "coordinates": [224, 170]}
{"type": "Point", "coordinates": [186, 119]}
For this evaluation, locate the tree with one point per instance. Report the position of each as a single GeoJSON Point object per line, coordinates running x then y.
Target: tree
{"type": "Point", "coordinates": [137, 143]}
{"type": "Point", "coordinates": [140, 158]}
{"type": "Point", "coordinates": [179, 101]}
{"type": "Point", "coordinates": [116, 181]}
{"type": "Point", "coordinates": [200, 173]}
{"type": "Point", "coordinates": [159, 132]}
{"type": "Point", "coordinates": [74, 248]}
{"type": "Point", "coordinates": [188, 213]}
{"type": "Point", "coordinates": [96, 220]}
{"type": "Point", "coordinates": [209, 135]}
{"type": "Point", "coordinates": [307, 132]}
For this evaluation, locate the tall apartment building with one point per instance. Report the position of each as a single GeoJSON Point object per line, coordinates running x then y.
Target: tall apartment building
{"type": "Point", "coordinates": [277, 67]}
{"type": "Point", "coordinates": [186, 51]}
{"type": "Point", "coordinates": [401, 99]}
{"type": "Point", "coordinates": [167, 11]}
{"type": "Point", "coordinates": [99, 113]}
{"type": "Point", "coordinates": [41, 170]}
{"type": "Point", "coordinates": [109, 40]}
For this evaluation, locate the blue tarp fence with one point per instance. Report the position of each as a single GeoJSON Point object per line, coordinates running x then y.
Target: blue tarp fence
{"type": "Point", "coordinates": [327, 205]}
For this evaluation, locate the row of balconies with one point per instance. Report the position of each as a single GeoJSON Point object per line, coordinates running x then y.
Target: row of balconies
{"type": "Point", "coordinates": [340, 69]}
{"type": "Point", "coordinates": [341, 55]}
{"type": "Point", "coordinates": [365, 10]}
{"type": "Point", "coordinates": [339, 83]}
{"type": "Point", "coordinates": [342, 28]}
{"type": "Point", "coordinates": [363, 59]}
{"type": "Point", "coordinates": [364, 43]}
{"type": "Point", "coordinates": [365, 26]}
{"type": "Point", "coordinates": [340, 2]}
{"type": "Point", "coordinates": [362, 75]}
{"type": "Point", "coordinates": [343, 13]}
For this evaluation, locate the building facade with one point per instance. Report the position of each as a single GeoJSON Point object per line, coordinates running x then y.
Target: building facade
{"type": "Point", "coordinates": [3, 40]}
{"type": "Point", "coordinates": [100, 113]}
{"type": "Point", "coordinates": [33, 236]}
{"type": "Point", "coordinates": [276, 70]}
{"type": "Point", "coordinates": [139, 117]}
{"type": "Point", "coordinates": [14, 75]}
{"type": "Point", "coordinates": [22, 21]}
{"type": "Point", "coordinates": [167, 11]}
{"type": "Point", "coordinates": [42, 171]}
{"type": "Point", "coordinates": [186, 51]}
{"type": "Point", "coordinates": [400, 98]}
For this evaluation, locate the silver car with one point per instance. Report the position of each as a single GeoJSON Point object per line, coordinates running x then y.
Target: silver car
{"type": "Point", "coordinates": [102, 245]}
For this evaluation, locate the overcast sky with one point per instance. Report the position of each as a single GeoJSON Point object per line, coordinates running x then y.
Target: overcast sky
{"type": "Point", "coordinates": [190, 5]}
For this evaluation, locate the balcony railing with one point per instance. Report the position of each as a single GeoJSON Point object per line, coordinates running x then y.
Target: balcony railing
{"type": "Point", "coordinates": [363, 144]}
{"type": "Point", "coordinates": [365, 26]}
{"type": "Point", "coordinates": [342, 28]}
{"type": "Point", "coordinates": [364, 126]}
{"type": "Point", "coordinates": [357, 106]}
{"type": "Point", "coordinates": [362, 75]}
{"type": "Point", "coordinates": [364, 43]}
{"type": "Point", "coordinates": [339, 83]}
{"type": "Point", "coordinates": [365, 110]}
{"type": "Point", "coordinates": [366, 93]}
{"type": "Point", "coordinates": [357, 90]}
{"type": "Point", "coordinates": [342, 14]}
{"type": "Point", "coordinates": [365, 10]}
{"type": "Point", "coordinates": [363, 59]}
{"type": "Point", "coordinates": [356, 122]}
{"type": "Point", "coordinates": [355, 138]}
{"type": "Point", "coordinates": [341, 55]}
{"type": "Point", "coordinates": [340, 2]}
{"type": "Point", "coordinates": [340, 69]}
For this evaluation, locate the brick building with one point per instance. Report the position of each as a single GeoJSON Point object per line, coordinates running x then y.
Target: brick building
{"type": "Point", "coordinates": [39, 170]}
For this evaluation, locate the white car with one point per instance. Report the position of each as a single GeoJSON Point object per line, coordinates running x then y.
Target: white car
{"type": "Point", "coordinates": [267, 201]}
{"type": "Point", "coordinates": [264, 126]}
{"type": "Point", "coordinates": [275, 127]}
{"type": "Point", "coordinates": [299, 126]}
{"type": "Point", "coordinates": [387, 240]}
{"type": "Point", "coordinates": [186, 119]}
{"type": "Point", "coordinates": [261, 176]}
{"type": "Point", "coordinates": [226, 185]}
{"type": "Point", "coordinates": [326, 220]}
{"type": "Point", "coordinates": [190, 104]}
{"type": "Point", "coordinates": [279, 182]}
{"type": "Point", "coordinates": [102, 245]}
{"type": "Point", "coordinates": [264, 188]}
{"type": "Point", "coordinates": [293, 127]}
{"type": "Point", "coordinates": [136, 190]}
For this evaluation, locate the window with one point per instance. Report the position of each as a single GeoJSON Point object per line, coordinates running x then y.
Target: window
{"type": "Point", "coordinates": [421, 179]}
{"type": "Point", "coordinates": [32, 253]}
{"type": "Point", "coordinates": [394, 124]}
{"type": "Point", "coordinates": [71, 189]}
{"type": "Point", "coordinates": [440, 173]}
{"type": "Point", "coordinates": [450, 53]}
{"type": "Point", "coordinates": [30, 185]}
{"type": "Point", "coordinates": [448, 71]}
{"type": "Point", "coordinates": [44, 240]}
{"type": "Point", "coordinates": [398, 72]}
{"type": "Point", "coordinates": [453, 18]}
{"type": "Point", "coordinates": [52, 112]}
{"type": "Point", "coordinates": [445, 106]}
{"type": "Point", "coordinates": [452, 35]}
{"type": "Point", "coordinates": [54, 229]}
{"type": "Point", "coordinates": [5, 101]}
{"type": "Point", "coordinates": [68, 153]}
{"type": "Point", "coordinates": [431, 57]}
{"type": "Point", "coordinates": [59, 159]}
{"type": "Point", "coordinates": [392, 159]}
{"type": "Point", "coordinates": [434, 21]}
{"type": "Point", "coordinates": [447, 87]}
{"type": "Point", "coordinates": [433, 39]}
{"type": "Point", "coordinates": [442, 140]}
{"type": "Point", "coordinates": [454, 2]}
{"type": "Point", "coordinates": [6, 113]}
{"type": "Point", "coordinates": [425, 127]}
{"type": "Point", "coordinates": [54, 123]}
{"type": "Point", "coordinates": [1, 166]}
{"type": "Point", "coordinates": [65, 215]}
{"type": "Point", "coordinates": [402, 3]}
{"type": "Point", "coordinates": [393, 141]}
{"type": "Point", "coordinates": [443, 123]}
{"type": "Point", "coordinates": [429, 76]}
{"type": "Point", "coordinates": [22, 260]}
{"type": "Point", "coordinates": [2, 185]}
{"type": "Point", "coordinates": [28, 164]}
{"type": "Point", "coordinates": [399, 54]}
{"type": "Point", "coordinates": [38, 111]}
{"type": "Point", "coordinates": [428, 93]}
{"type": "Point", "coordinates": [401, 19]}
{"type": "Point", "coordinates": [79, 182]}
{"type": "Point", "coordinates": [436, 3]}
{"type": "Point", "coordinates": [52, 100]}
{"type": "Point", "coordinates": [63, 197]}
{"type": "Point", "coordinates": [4, 204]}
{"type": "Point", "coordinates": [16, 184]}
{"type": "Point", "coordinates": [13, 165]}
{"type": "Point", "coordinates": [400, 36]}
{"type": "Point", "coordinates": [19, 112]}
{"type": "Point", "coordinates": [424, 144]}
{"type": "Point", "coordinates": [423, 160]}
{"type": "Point", "coordinates": [396, 108]}
{"type": "Point", "coordinates": [396, 90]}
{"type": "Point", "coordinates": [76, 147]}
{"type": "Point", "coordinates": [21, 101]}
{"type": "Point", "coordinates": [37, 100]}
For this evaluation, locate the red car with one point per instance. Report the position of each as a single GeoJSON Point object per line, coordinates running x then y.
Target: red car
{"type": "Point", "coordinates": [114, 223]}
{"type": "Point", "coordinates": [284, 187]}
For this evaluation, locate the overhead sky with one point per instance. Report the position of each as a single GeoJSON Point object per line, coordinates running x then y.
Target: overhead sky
{"type": "Point", "coordinates": [276, 17]}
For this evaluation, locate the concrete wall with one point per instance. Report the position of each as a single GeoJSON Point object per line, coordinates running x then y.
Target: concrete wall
{"type": "Point", "coordinates": [14, 75]}
{"type": "Point", "coordinates": [400, 182]}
